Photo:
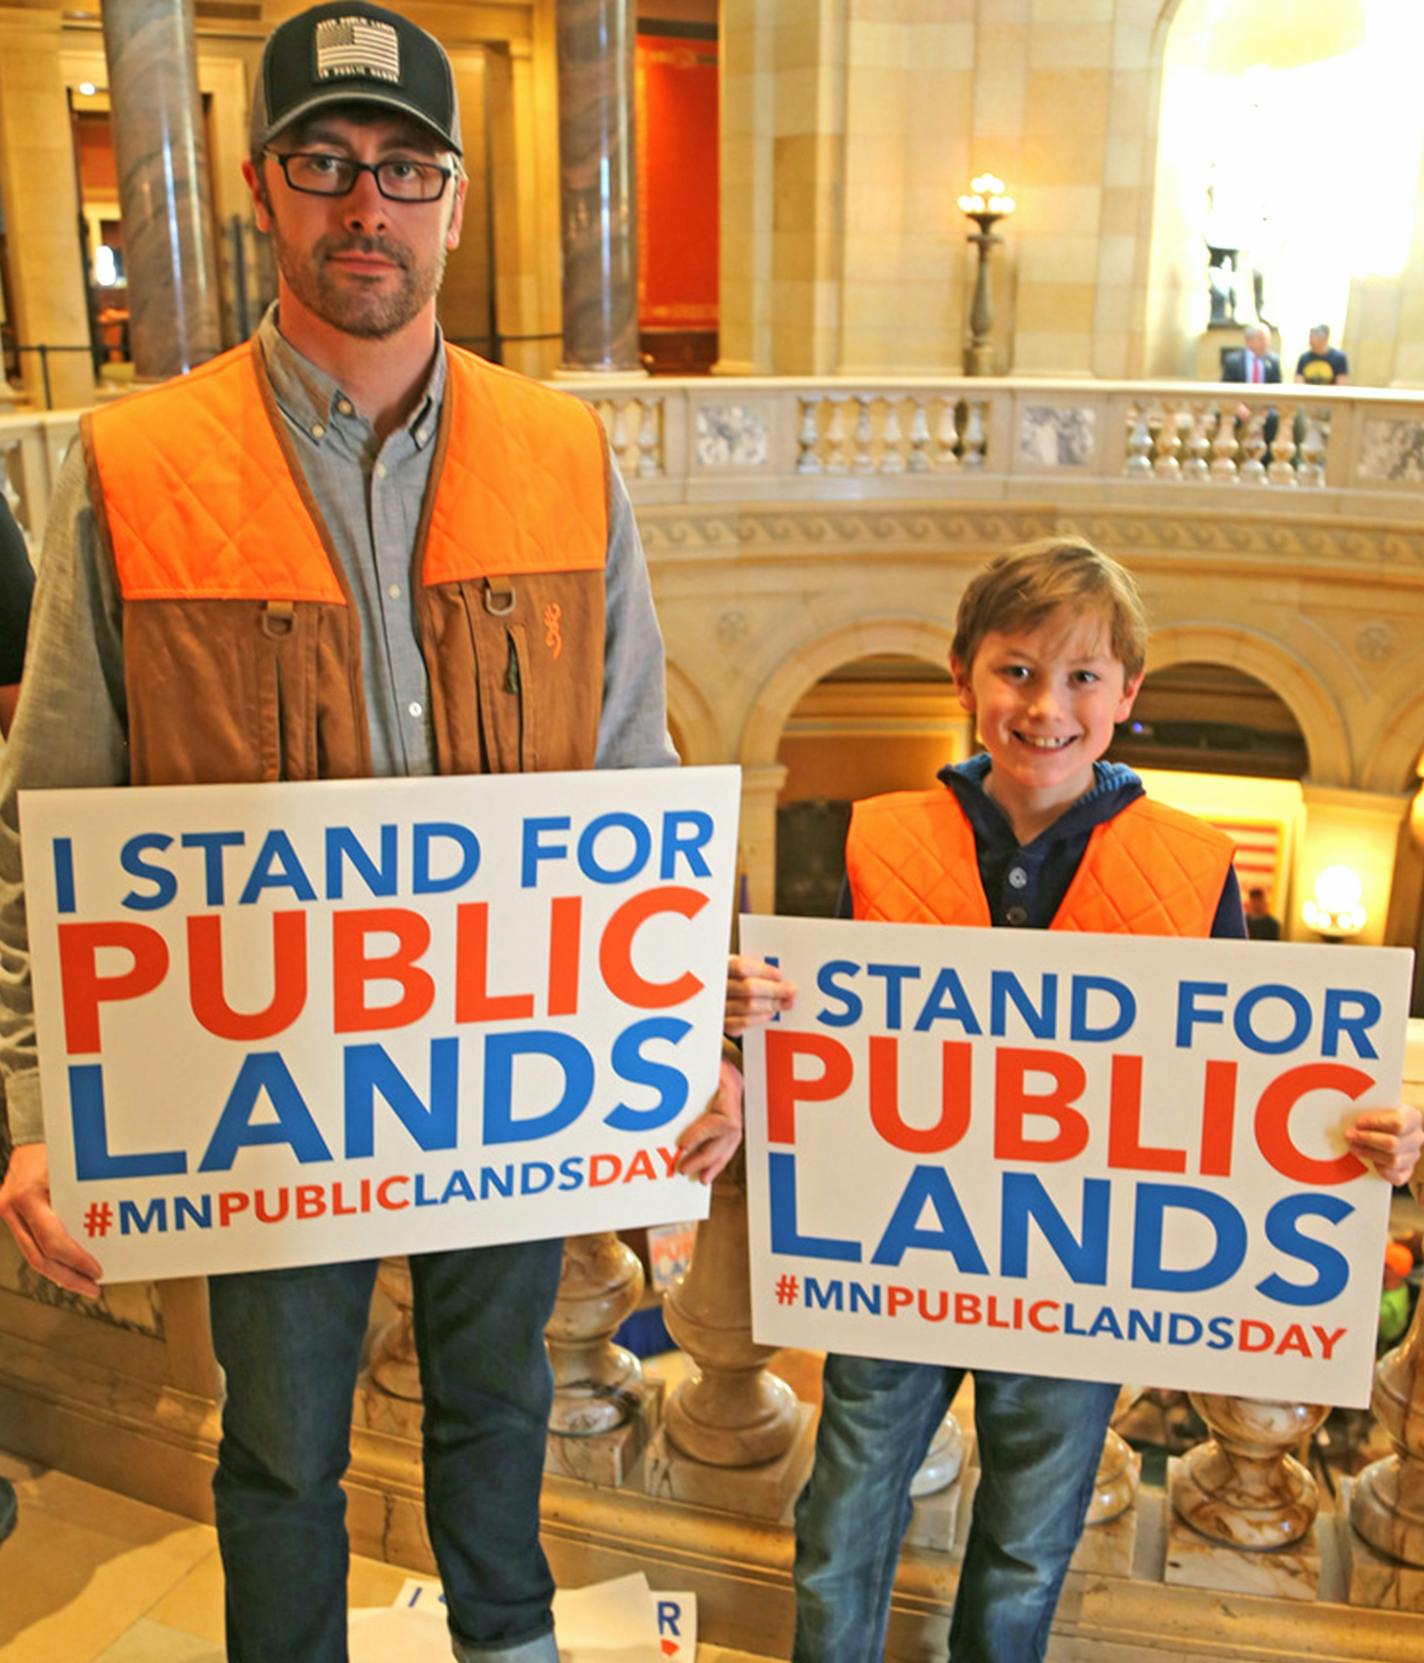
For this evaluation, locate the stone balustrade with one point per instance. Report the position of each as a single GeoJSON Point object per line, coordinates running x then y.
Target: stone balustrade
{"type": "Point", "coordinates": [1355, 450]}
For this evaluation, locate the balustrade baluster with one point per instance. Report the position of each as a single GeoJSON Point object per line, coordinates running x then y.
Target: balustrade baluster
{"type": "Point", "coordinates": [393, 1364]}
{"type": "Point", "coordinates": [733, 1435]}
{"type": "Point", "coordinates": [1253, 469]}
{"type": "Point", "coordinates": [1224, 449]}
{"type": "Point", "coordinates": [1281, 471]}
{"type": "Point", "coordinates": [892, 439]}
{"type": "Point", "coordinates": [1198, 445]}
{"type": "Point", "coordinates": [1312, 450]}
{"type": "Point", "coordinates": [1243, 1489]}
{"type": "Point", "coordinates": [947, 439]}
{"type": "Point", "coordinates": [919, 461]}
{"type": "Point", "coordinates": [618, 432]}
{"type": "Point", "coordinates": [596, 1383]}
{"type": "Point", "coordinates": [1169, 447]}
{"type": "Point", "coordinates": [808, 458]}
{"type": "Point", "coordinates": [1139, 442]}
{"type": "Point", "coordinates": [937, 1491]}
{"type": "Point", "coordinates": [650, 439]}
{"type": "Point", "coordinates": [7, 487]}
{"type": "Point", "coordinates": [975, 437]}
{"type": "Point", "coordinates": [732, 1413]}
{"type": "Point", "coordinates": [1387, 1504]}
{"type": "Point", "coordinates": [943, 1460]}
{"type": "Point", "coordinates": [864, 462]}
{"type": "Point", "coordinates": [836, 460]}
{"type": "Point", "coordinates": [1119, 1470]}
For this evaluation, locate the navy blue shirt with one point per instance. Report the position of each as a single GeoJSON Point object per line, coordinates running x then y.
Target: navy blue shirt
{"type": "Point", "coordinates": [1024, 883]}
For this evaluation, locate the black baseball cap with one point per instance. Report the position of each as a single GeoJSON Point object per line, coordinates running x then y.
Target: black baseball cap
{"type": "Point", "coordinates": [348, 52]}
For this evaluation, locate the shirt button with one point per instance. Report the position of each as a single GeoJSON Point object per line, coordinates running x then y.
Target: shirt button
{"type": "Point", "coordinates": [344, 406]}
{"type": "Point", "coordinates": [380, 470]}
{"type": "Point", "coordinates": [317, 430]}
{"type": "Point", "coordinates": [1017, 876]}
{"type": "Point", "coordinates": [1016, 916]}
{"type": "Point", "coordinates": [420, 435]}
{"type": "Point", "coordinates": [393, 590]}
{"type": "Point", "coordinates": [416, 708]}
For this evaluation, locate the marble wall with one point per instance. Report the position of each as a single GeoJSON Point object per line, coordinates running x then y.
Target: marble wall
{"type": "Point", "coordinates": [41, 206]}
{"type": "Point", "coordinates": [851, 126]}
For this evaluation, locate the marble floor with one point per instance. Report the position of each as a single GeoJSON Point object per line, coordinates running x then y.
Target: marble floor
{"type": "Point", "coordinates": [92, 1577]}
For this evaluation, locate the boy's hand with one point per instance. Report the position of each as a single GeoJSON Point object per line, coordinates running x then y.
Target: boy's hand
{"type": "Point", "coordinates": [711, 1140]}
{"type": "Point", "coordinates": [755, 993]}
{"type": "Point", "coordinates": [1389, 1140]}
{"type": "Point", "coordinates": [46, 1244]}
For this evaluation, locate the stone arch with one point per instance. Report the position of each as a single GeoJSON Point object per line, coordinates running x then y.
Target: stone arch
{"type": "Point", "coordinates": [1327, 739]}
{"type": "Point", "coordinates": [694, 719]}
{"type": "Point", "coordinates": [812, 659]}
{"type": "Point", "coordinates": [1394, 759]}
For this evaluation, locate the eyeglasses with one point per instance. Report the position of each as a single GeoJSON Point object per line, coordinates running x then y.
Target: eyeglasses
{"type": "Point", "coordinates": [319, 173]}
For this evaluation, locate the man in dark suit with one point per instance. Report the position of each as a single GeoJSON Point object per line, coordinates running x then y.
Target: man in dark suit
{"type": "Point", "coordinates": [1252, 363]}
{"type": "Point", "coordinates": [1256, 366]}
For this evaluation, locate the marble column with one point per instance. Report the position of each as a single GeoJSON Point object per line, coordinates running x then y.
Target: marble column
{"type": "Point", "coordinates": [599, 209]}
{"type": "Point", "coordinates": [163, 185]}
{"type": "Point", "coordinates": [41, 201]}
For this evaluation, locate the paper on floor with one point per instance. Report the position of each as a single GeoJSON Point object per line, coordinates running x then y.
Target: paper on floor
{"type": "Point", "coordinates": [377, 1636]}
{"type": "Point", "coordinates": [609, 1622]}
{"type": "Point", "coordinates": [621, 1621]}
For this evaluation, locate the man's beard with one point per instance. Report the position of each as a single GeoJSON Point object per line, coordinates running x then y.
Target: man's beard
{"type": "Point", "coordinates": [345, 304]}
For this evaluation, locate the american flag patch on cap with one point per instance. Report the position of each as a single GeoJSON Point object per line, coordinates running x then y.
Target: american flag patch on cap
{"type": "Point", "coordinates": [356, 46]}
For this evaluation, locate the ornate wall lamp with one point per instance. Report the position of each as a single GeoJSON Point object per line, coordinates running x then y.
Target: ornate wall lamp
{"type": "Point", "coordinates": [986, 205]}
{"type": "Point", "coordinates": [1334, 911]}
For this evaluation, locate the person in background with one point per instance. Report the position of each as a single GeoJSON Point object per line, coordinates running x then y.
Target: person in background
{"type": "Point", "coordinates": [17, 584]}
{"type": "Point", "coordinates": [1254, 363]}
{"type": "Point", "coordinates": [1324, 365]}
{"type": "Point", "coordinates": [1261, 923]}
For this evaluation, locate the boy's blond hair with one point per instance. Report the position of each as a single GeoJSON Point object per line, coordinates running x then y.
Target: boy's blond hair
{"type": "Point", "coordinates": [1023, 587]}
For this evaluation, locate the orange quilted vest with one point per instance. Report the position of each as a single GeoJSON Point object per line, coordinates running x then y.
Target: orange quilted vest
{"type": "Point", "coordinates": [242, 649]}
{"type": "Point", "coordinates": [1150, 870]}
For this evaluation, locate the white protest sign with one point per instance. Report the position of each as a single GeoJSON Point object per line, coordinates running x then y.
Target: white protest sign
{"type": "Point", "coordinates": [294, 1024]}
{"type": "Point", "coordinates": [1092, 1157]}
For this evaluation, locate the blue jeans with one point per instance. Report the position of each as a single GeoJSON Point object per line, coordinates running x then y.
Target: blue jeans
{"type": "Point", "coordinates": [1039, 1446]}
{"type": "Point", "coordinates": [290, 1344]}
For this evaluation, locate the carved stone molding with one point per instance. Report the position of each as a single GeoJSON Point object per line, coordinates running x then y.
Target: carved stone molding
{"type": "Point", "coordinates": [818, 528]}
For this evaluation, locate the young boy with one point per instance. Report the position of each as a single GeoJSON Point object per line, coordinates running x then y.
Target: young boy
{"type": "Point", "coordinates": [1039, 832]}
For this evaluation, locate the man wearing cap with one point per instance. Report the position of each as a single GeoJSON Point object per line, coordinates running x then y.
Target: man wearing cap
{"type": "Point", "coordinates": [343, 549]}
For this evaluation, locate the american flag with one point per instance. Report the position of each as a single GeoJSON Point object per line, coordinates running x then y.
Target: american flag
{"type": "Point", "coordinates": [1258, 854]}
{"type": "Point", "coordinates": [357, 46]}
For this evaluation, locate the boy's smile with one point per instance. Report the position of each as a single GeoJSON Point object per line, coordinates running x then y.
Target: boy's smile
{"type": "Point", "coordinates": [1046, 701]}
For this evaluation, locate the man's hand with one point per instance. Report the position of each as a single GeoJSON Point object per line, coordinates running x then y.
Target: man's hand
{"type": "Point", "coordinates": [755, 993]}
{"type": "Point", "coordinates": [711, 1140]}
{"type": "Point", "coordinates": [49, 1247]}
{"type": "Point", "coordinates": [1389, 1140]}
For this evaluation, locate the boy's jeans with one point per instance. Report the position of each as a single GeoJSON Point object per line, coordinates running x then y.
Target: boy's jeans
{"type": "Point", "coordinates": [290, 1343]}
{"type": "Point", "coordinates": [1039, 1446]}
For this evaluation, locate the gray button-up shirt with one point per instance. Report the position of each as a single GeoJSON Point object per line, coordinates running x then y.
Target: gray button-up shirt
{"type": "Point", "coordinates": [71, 728]}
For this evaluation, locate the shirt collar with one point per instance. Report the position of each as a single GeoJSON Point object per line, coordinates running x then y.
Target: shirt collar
{"type": "Point", "coordinates": [310, 399]}
{"type": "Point", "coordinates": [1114, 786]}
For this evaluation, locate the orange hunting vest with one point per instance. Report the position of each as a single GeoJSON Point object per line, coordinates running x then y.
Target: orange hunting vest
{"type": "Point", "coordinates": [242, 647]}
{"type": "Point", "coordinates": [1150, 870]}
